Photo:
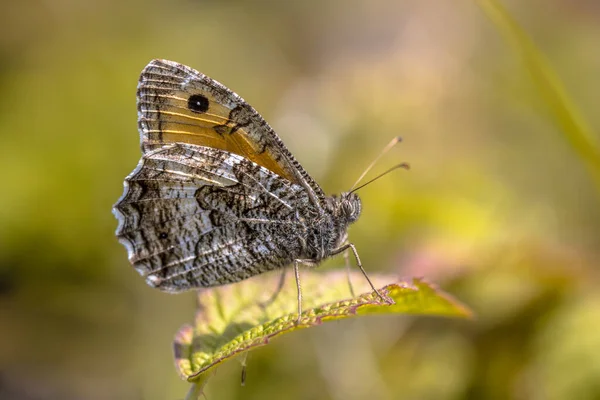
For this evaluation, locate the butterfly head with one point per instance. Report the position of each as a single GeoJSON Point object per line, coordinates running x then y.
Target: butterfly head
{"type": "Point", "coordinates": [347, 207]}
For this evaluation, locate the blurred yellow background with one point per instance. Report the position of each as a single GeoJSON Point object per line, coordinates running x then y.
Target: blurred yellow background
{"type": "Point", "coordinates": [498, 209]}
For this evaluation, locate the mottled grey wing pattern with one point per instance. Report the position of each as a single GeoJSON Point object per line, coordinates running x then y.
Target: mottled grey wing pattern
{"type": "Point", "coordinates": [193, 216]}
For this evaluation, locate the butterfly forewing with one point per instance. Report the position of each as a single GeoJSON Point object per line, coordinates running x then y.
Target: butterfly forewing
{"type": "Point", "coordinates": [177, 104]}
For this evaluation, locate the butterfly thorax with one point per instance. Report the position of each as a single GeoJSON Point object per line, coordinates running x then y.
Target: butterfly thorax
{"type": "Point", "coordinates": [329, 231]}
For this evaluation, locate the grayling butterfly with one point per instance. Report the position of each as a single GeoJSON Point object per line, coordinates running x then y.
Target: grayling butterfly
{"type": "Point", "coordinates": [217, 197]}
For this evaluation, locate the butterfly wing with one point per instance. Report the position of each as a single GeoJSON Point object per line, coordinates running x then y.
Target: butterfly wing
{"type": "Point", "coordinates": [193, 216]}
{"type": "Point", "coordinates": [177, 104]}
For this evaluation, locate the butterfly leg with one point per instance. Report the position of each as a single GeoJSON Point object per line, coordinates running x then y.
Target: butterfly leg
{"type": "Point", "coordinates": [298, 286]}
{"type": "Point", "coordinates": [353, 248]}
{"type": "Point", "coordinates": [297, 273]}
{"type": "Point", "coordinates": [280, 284]}
{"type": "Point", "coordinates": [347, 262]}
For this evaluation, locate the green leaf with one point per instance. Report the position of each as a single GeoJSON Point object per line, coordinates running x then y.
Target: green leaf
{"type": "Point", "coordinates": [234, 319]}
{"type": "Point", "coordinates": [574, 127]}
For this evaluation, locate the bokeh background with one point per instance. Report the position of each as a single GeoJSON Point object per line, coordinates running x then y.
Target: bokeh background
{"type": "Point", "coordinates": [498, 209]}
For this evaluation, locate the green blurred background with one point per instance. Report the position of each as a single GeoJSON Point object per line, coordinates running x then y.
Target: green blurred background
{"type": "Point", "coordinates": [498, 208]}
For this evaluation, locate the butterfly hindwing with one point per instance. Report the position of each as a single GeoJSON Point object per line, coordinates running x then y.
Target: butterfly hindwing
{"type": "Point", "coordinates": [193, 216]}
{"type": "Point", "coordinates": [177, 104]}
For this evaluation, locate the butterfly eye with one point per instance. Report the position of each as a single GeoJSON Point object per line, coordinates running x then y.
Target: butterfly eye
{"type": "Point", "coordinates": [348, 208]}
{"type": "Point", "coordinates": [198, 103]}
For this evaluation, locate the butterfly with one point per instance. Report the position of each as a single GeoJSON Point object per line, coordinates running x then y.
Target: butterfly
{"type": "Point", "coordinates": [217, 197]}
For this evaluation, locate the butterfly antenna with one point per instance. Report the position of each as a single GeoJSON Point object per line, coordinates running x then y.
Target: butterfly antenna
{"type": "Point", "coordinates": [387, 148]}
{"type": "Point", "coordinates": [401, 165]}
